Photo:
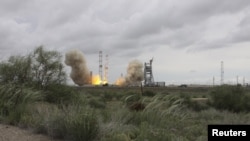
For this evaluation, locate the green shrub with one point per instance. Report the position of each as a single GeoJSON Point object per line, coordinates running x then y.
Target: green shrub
{"type": "Point", "coordinates": [113, 96]}
{"type": "Point", "coordinates": [119, 95]}
{"type": "Point", "coordinates": [232, 98]}
{"type": "Point", "coordinates": [204, 96]}
{"type": "Point", "coordinates": [109, 96]}
{"type": "Point", "coordinates": [82, 126]}
{"type": "Point", "coordinates": [38, 68]}
{"type": "Point", "coordinates": [14, 100]}
{"type": "Point", "coordinates": [73, 122]}
{"type": "Point", "coordinates": [97, 103]}
{"type": "Point", "coordinates": [158, 110]}
{"type": "Point", "coordinates": [147, 132]}
{"type": "Point", "coordinates": [195, 105]}
{"type": "Point", "coordinates": [117, 127]}
{"type": "Point", "coordinates": [58, 93]}
{"type": "Point", "coordinates": [132, 99]}
{"type": "Point", "coordinates": [133, 102]}
{"type": "Point", "coordinates": [149, 93]}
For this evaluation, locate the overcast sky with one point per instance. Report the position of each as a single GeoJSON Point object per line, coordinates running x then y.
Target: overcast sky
{"type": "Point", "coordinates": [188, 39]}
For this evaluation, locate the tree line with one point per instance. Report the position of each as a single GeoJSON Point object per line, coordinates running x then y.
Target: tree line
{"type": "Point", "coordinates": [39, 68]}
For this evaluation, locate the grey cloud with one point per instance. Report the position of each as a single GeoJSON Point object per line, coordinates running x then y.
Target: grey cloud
{"type": "Point", "coordinates": [204, 9]}
{"type": "Point", "coordinates": [122, 27]}
{"type": "Point", "coordinates": [246, 20]}
{"type": "Point", "coordinates": [242, 33]}
{"type": "Point", "coordinates": [117, 11]}
{"type": "Point", "coordinates": [129, 53]}
{"type": "Point", "coordinates": [241, 36]}
{"type": "Point", "coordinates": [204, 45]}
{"type": "Point", "coordinates": [12, 7]}
{"type": "Point", "coordinates": [192, 71]}
{"type": "Point", "coordinates": [13, 34]}
{"type": "Point", "coordinates": [178, 15]}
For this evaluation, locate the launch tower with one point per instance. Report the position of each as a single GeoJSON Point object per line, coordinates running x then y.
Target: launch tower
{"type": "Point", "coordinates": [148, 74]}
{"type": "Point", "coordinates": [100, 65]}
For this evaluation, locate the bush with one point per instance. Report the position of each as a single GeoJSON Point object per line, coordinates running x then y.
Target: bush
{"type": "Point", "coordinates": [81, 126]}
{"type": "Point", "coordinates": [132, 99]}
{"type": "Point", "coordinates": [97, 103]}
{"type": "Point", "coordinates": [17, 69]}
{"type": "Point", "coordinates": [39, 68]}
{"type": "Point", "coordinates": [150, 134]}
{"type": "Point", "coordinates": [232, 98]}
{"type": "Point", "coordinates": [58, 93]}
{"type": "Point", "coordinates": [137, 106]}
{"type": "Point", "coordinates": [73, 122]}
{"type": "Point", "coordinates": [109, 96]}
{"type": "Point", "coordinates": [149, 93]}
{"type": "Point", "coordinates": [195, 105]}
{"type": "Point", "coordinates": [14, 100]}
{"type": "Point", "coordinates": [133, 102]}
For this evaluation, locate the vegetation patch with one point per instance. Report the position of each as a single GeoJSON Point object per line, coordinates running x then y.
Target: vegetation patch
{"type": "Point", "coordinates": [232, 98]}
{"type": "Point", "coordinates": [33, 94]}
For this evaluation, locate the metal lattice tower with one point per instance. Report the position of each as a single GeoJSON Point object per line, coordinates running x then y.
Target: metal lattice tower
{"type": "Point", "coordinates": [100, 64]}
{"type": "Point", "coordinates": [148, 74]}
{"type": "Point", "coordinates": [222, 73]}
{"type": "Point", "coordinates": [106, 69]}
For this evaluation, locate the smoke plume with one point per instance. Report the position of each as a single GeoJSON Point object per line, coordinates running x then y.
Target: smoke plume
{"type": "Point", "coordinates": [134, 72]}
{"type": "Point", "coordinates": [120, 81]}
{"type": "Point", "coordinates": [79, 71]}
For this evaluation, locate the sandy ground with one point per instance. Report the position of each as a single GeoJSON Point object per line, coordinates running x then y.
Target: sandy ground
{"type": "Point", "coordinates": [11, 133]}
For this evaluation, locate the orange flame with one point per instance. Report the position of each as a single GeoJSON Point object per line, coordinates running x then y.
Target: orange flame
{"type": "Point", "coordinates": [96, 80]}
{"type": "Point", "coordinates": [120, 81]}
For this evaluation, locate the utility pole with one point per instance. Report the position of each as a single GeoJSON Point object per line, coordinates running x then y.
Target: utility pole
{"type": "Point", "coordinates": [222, 73]}
{"type": "Point", "coordinates": [237, 78]}
{"type": "Point", "coordinates": [213, 81]}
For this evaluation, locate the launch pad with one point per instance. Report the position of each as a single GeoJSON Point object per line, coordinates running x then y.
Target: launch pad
{"type": "Point", "coordinates": [148, 76]}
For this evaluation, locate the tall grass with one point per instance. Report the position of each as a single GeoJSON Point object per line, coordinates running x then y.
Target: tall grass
{"type": "Point", "coordinates": [152, 123]}
{"type": "Point", "coordinates": [72, 122]}
{"type": "Point", "coordinates": [59, 93]}
{"type": "Point", "coordinates": [14, 100]}
{"type": "Point", "coordinates": [100, 117]}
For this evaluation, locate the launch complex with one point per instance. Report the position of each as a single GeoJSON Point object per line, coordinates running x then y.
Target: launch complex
{"type": "Point", "coordinates": [137, 73]}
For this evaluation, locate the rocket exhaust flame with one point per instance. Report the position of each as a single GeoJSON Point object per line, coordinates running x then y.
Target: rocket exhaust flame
{"type": "Point", "coordinates": [120, 81]}
{"type": "Point", "coordinates": [96, 80]}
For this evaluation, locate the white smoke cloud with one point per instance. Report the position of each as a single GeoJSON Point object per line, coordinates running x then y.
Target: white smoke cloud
{"type": "Point", "coordinates": [79, 72]}
{"type": "Point", "coordinates": [134, 74]}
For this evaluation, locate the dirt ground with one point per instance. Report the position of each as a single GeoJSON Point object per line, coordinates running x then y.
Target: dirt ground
{"type": "Point", "coordinates": [11, 133]}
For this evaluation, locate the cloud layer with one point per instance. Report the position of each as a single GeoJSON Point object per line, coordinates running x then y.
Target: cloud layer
{"type": "Point", "coordinates": [126, 29]}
